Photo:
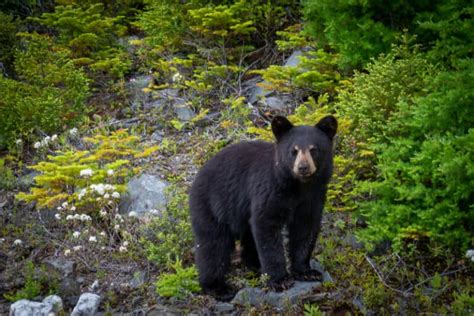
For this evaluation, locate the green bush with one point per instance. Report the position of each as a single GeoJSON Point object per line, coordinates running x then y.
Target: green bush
{"type": "Point", "coordinates": [91, 36]}
{"type": "Point", "coordinates": [413, 122]}
{"type": "Point", "coordinates": [360, 30]}
{"type": "Point", "coordinates": [8, 40]}
{"type": "Point", "coordinates": [171, 236]}
{"type": "Point", "coordinates": [179, 284]}
{"type": "Point", "coordinates": [49, 95]}
{"type": "Point", "coordinates": [425, 183]}
{"type": "Point", "coordinates": [32, 287]}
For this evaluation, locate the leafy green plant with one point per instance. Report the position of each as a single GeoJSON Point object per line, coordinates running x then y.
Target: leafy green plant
{"type": "Point", "coordinates": [50, 92]}
{"type": "Point", "coordinates": [64, 176]}
{"type": "Point", "coordinates": [32, 287]}
{"type": "Point", "coordinates": [91, 36]}
{"type": "Point", "coordinates": [171, 236]}
{"type": "Point", "coordinates": [179, 284]}
{"type": "Point", "coordinates": [7, 177]}
{"type": "Point", "coordinates": [312, 310]}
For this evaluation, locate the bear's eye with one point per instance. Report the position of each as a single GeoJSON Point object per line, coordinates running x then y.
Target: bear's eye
{"type": "Point", "coordinates": [294, 151]}
{"type": "Point", "coordinates": [313, 150]}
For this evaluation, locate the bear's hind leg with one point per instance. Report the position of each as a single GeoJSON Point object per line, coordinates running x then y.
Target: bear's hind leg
{"type": "Point", "coordinates": [214, 246]}
{"type": "Point", "coordinates": [249, 254]}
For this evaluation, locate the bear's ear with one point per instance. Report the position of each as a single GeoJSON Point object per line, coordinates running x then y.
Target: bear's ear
{"type": "Point", "coordinates": [328, 125]}
{"type": "Point", "coordinates": [280, 125]}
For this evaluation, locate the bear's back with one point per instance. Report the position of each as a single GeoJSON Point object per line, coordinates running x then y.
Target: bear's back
{"type": "Point", "coordinates": [222, 184]}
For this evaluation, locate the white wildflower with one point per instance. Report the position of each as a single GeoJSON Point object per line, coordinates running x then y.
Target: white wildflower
{"type": "Point", "coordinates": [2, 240]}
{"type": "Point", "coordinates": [64, 205]}
{"type": "Point", "coordinates": [82, 193]}
{"type": "Point", "coordinates": [103, 234]}
{"type": "Point", "coordinates": [59, 208]}
{"type": "Point", "coordinates": [17, 242]}
{"type": "Point", "coordinates": [54, 137]}
{"type": "Point", "coordinates": [125, 243]}
{"type": "Point", "coordinates": [132, 214]}
{"type": "Point", "coordinates": [110, 172]}
{"type": "Point", "coordinates": [122, 249]}
{"type": "Point", "coordinates": [117, 227]}
{"type": "Point", "coordinates": [86, 173]}
{"type": "Point", "coordinates": [470, 254]}
{"type": "Point", "coordinates": [73, 208]}
{"type": "Point", "coordinates": [116, 195]}
{"type": "Point", "coordinates": [85, 218]}
{"type": "Point", "coordinates": [37, 145]}
{"type": "Point", "coordinates": [106, 196]}
{"type": "Point", "coordinates": [77, 248]}
{"type": "Point", "coordinates": [177, 77]}
{"type": "Point", "coordinates": [67, 252]}
{"type": "Point", "coordinates": [98, 199]}
{"type": "Point", "coordinates": [73, 131]}
{"type": "Point", "coordinates": [18, 141]}
{"type": "Point", "coordinates": [69, 218]}
{"type": "Point", "coordinates": [109, 187]}
{"type": "Point", "coordinates": [119, 217]}
{"type": "Point", "coordinates": [57, 216]}
{"type": "Point", "coordinates": [77, 216]}
{"type": "Point", "coordinates": [110, 202]}
{"type": "Point", "coordinates": [76, 234]}
{"type": "Point", "coordinates": [102, 213]}
{"type": "Point", "coordinates": [154, 212]}
{"type": "Point", "coordinates": [93, 239]}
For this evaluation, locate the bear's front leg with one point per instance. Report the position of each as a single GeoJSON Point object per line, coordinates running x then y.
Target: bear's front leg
{"type": "Point", "coordinates": [269, 242]}
{"type": "Point", "coordinates": [303, 231]}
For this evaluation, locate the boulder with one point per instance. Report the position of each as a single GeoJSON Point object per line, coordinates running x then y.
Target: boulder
{"type": "Point", "coordinates": [259, 297]}
{"type": "Point", "coordinates": [50, 305]}
{"type": "Point", "coordinates": [87, 305]}
{"type": "Point", "coordinates": [182, 110]}
{"type": "Point", "coordinates": [144, 193]}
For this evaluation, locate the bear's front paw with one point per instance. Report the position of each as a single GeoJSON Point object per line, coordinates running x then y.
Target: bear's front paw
{"type": "Point", "coordinates": [308, 275]}
{"type": "Point", "coordinates": [221, 292]}
{"type": "Point", "coordinates": [282, 284]}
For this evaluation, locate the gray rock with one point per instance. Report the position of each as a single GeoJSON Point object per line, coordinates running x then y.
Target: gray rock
{"type": "Point", "coordinates": [182, 110]}
{"type": "Point", "coordinates": [294, 59]}
{"type": "Point", "coordinates": [143, 194]}
{"type": "Point", "coordinates": [317, 266]}
{"type": "Point", "coordinates": [87, 305]}
{"type": "Point", "coordinates": [351, 240]}
{"type": "Point", "coordinates": [157, 136]}
{"type": "Point", "coordinates": [135, 87]}
{"type": "Point", "coordinates": [258, 297]}
{"type": "Point", "coordinates": [224, 308]}
{"type": "Point", "coordinates": [51, 304]}
{"type": "Point", "coordinates": [161, 310]}
{"type": "Point", "coordinates": [169, 93]}
{"type": "Point", "coordinates": [64, 267]}
{"type": "Point", "coordinates": [277, 102]}
{"type": "Point", "coordinates": [69, 287]}
{"type": "Point", "coordinates": [28, 180]}
{"type": "Point", "coordinates": [138, 279]}
{"type": "Point", "coordinates": [155, 104]}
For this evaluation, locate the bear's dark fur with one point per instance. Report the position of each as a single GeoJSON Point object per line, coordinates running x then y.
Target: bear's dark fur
{"type": "Point", "coordinates": [249, 191]}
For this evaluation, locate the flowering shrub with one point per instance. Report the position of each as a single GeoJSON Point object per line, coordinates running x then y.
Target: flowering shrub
{"type": "Point", "coordinates": [84, 186]}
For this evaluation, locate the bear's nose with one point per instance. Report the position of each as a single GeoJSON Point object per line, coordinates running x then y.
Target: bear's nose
{"type": "Point", "coordinates": [303, 168]}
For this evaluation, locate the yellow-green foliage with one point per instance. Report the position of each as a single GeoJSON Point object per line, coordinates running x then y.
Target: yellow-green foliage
{"type": "Point", "coordinates": [171, 236]}
{"type": "Point", "coordinates": [90, 35]}
{"type": "Point", "coordinates": [179, 284]}
{"type": "Point", "coordinates": [316, 73]}
{"type": "Point", "coordinates": [48, 94]}
{"type": "Point", "coordinates": [61, 177]}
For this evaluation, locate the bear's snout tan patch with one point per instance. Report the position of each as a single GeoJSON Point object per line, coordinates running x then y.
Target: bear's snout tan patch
{"type": "Point", "coordinates": [304, 165]}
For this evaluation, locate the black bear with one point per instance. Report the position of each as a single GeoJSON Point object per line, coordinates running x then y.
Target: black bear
{"type": "Point", "coordinates": [249, 191]}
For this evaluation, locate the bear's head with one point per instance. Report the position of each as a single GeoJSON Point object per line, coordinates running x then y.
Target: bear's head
{"type": "Point", "coordinates": [305, 151]}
